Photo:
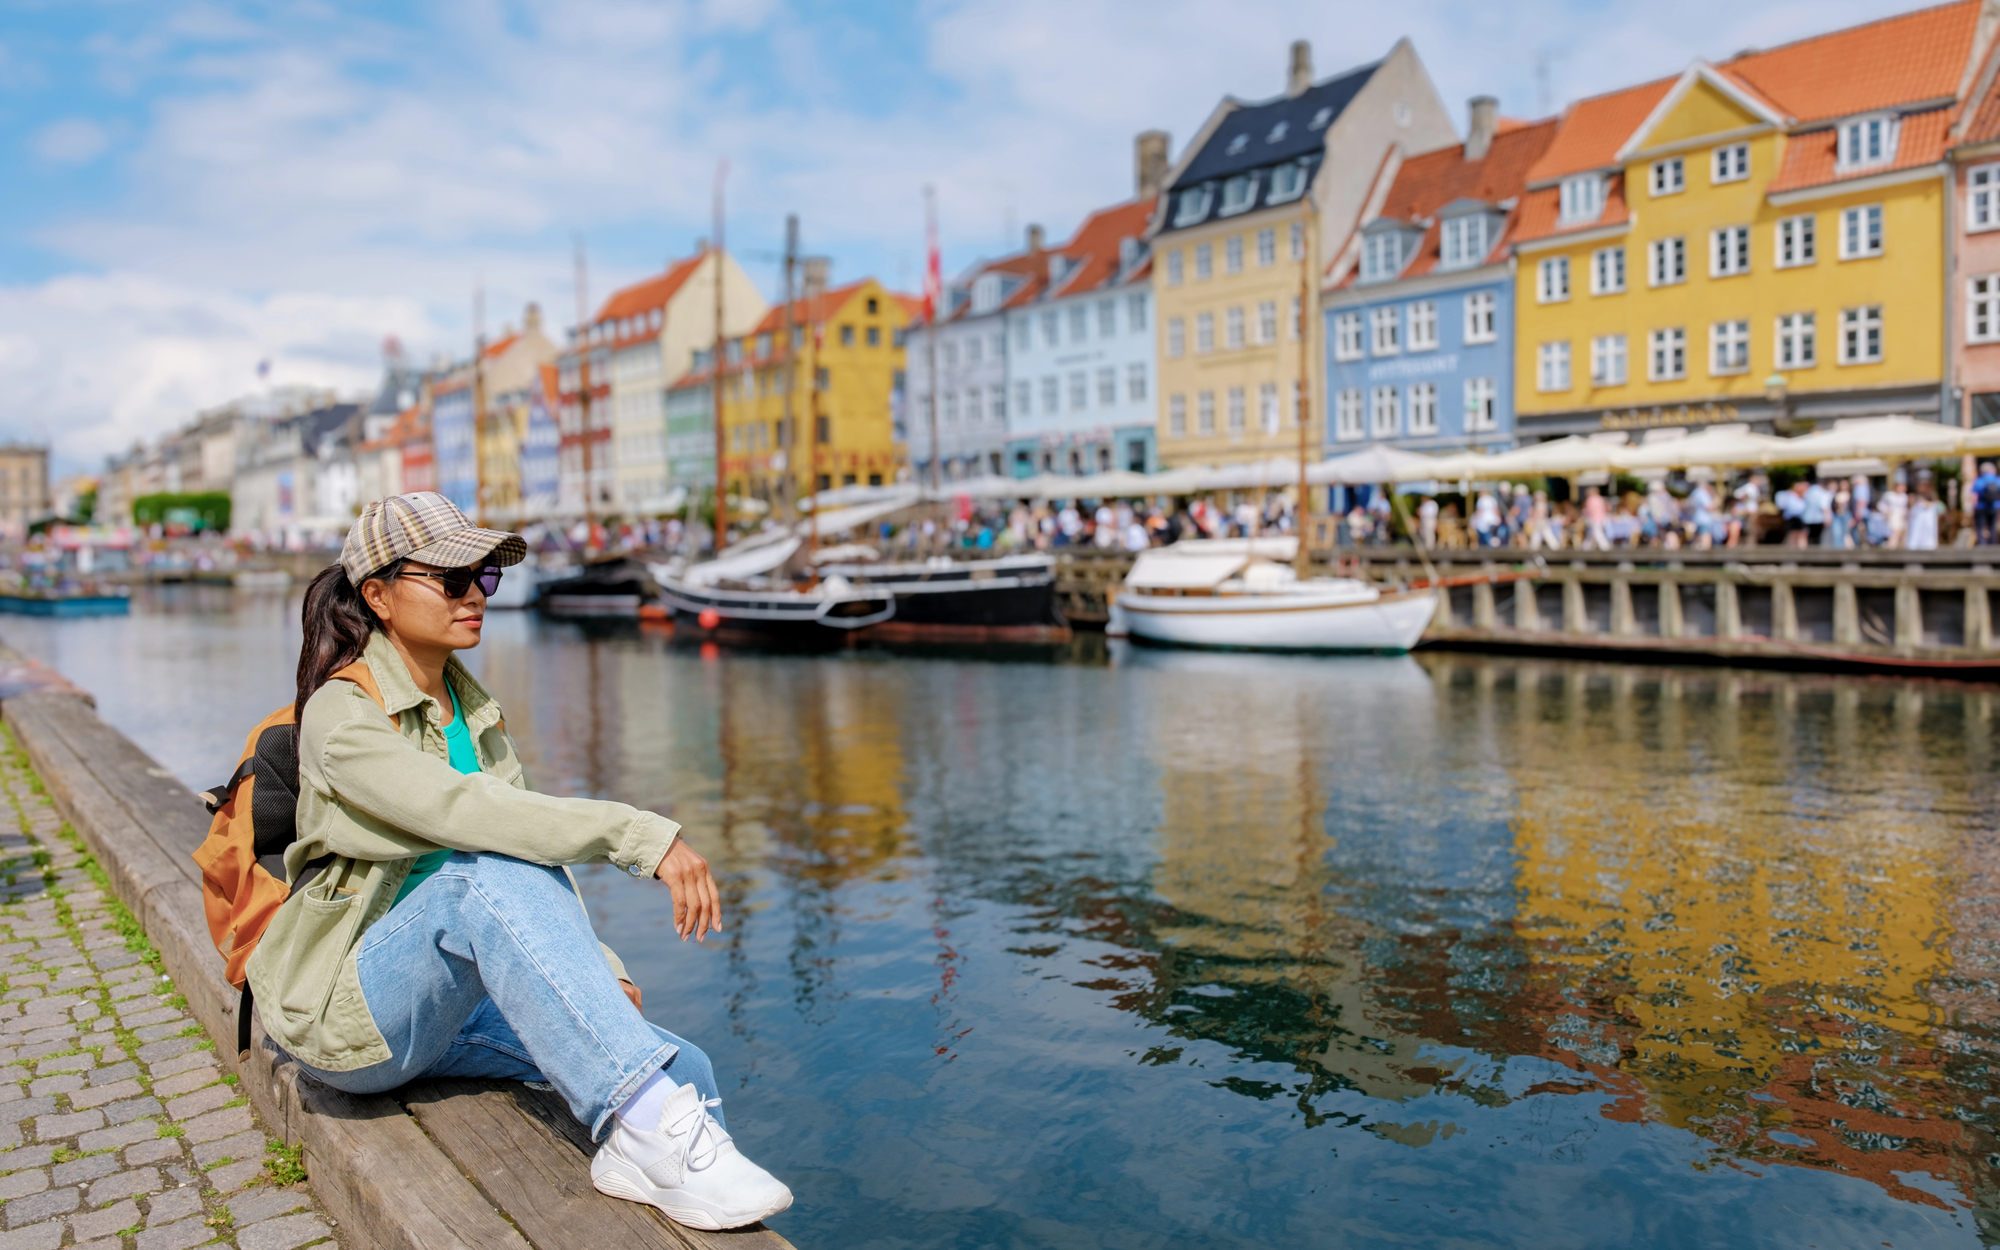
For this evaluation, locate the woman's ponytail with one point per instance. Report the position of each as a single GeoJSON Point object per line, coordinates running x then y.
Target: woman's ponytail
{"type": "Point", "coordinates": [336, 624]}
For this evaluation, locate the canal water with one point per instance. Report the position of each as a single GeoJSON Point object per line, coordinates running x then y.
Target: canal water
{"type": "Point", "coordinates": [1115, 947]}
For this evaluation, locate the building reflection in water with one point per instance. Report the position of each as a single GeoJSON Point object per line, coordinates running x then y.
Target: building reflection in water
{"type": "Point", "coordinates": [1755, 908]}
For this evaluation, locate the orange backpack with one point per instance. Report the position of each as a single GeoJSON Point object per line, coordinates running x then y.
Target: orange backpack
{"type": "Point", "coordinates": [255, 818]}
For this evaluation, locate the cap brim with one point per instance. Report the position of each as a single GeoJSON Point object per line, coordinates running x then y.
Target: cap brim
{"type": "Point", "coordinates": [473, 546]}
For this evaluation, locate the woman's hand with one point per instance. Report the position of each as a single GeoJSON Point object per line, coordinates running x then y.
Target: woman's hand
{"type": "Point", "coordinates": [697, 906]}
{"type": "Point", "coordinates": [632, 992]}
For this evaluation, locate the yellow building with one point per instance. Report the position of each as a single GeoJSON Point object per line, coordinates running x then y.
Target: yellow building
{"type": "Point", "coordinates": [1265, 192]}
{"type": "Point", "coordinates": [842, 363]}
{"type": "Point", "coordinates": [1758, 240]}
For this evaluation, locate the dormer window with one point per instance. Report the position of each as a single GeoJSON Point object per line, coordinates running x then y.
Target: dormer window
{"type": "Point", "coordinates": [1464, 241]}
{"type": "Point", "coordinates": [1383, 252]}
{"type": "Point", "coordinates": [1277, 132]}
{"type": "Point", "coordinates": [1194, 204]}
{"type": "Point", "coordinates": [1288, 182]}
{"type": "Point", "coordinates": [1128, 255]}
{"type": "Point", "coordinates": [1058, 269]}
{"type": "Point", "coordinates": [1238, 194]}
{"type": "Point", "coordinates": [1237, 145]}
{"type": "Point", "coordinates": [1867, 142]}
{"type": "Point", "coordinates": [1320, 119]}
{"type": "Point", "coordinates": [1582, 198]}
{"type": "Point", "coordinates": [986, 291]}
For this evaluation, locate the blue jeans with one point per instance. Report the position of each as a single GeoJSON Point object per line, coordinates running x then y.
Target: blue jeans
{"type": "Point", "coordinates": [490, 969]}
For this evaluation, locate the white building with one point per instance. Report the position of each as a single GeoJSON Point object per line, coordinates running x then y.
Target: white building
{"type": "Point", "coordinates": [970, 392]}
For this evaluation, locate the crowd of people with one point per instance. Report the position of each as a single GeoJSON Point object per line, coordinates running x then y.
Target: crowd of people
{"type": "Point", "coordinates": [1903, 513]}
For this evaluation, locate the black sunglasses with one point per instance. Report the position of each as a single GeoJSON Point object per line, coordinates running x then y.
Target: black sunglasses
{"type": "Point", "coordinates": [455, 582]}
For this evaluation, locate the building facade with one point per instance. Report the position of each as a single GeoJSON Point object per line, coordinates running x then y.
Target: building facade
{"type": "Point", "coordinates": [1974, 213]}
{"type": "Point", "coordinates": [1418, 325]}
{"type": "Point", "coordinates": [958, 370]}
{"type": "Point", "coordinates": [646, 336]}
{"type": "Point", "coordinates": [839, 355]}
{"type": "Point", "coordinates": [1080, 361]}
{"type": "Point", "coordinates": [24, 488]}
{"type": "Point", "coordinates": [1263, 195]}
{"type": "Point", "coordinates": [1759, 240]}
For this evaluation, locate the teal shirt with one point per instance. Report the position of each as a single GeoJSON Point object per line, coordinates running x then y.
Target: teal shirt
{"type": "Point", "coordinates": [465, 758]}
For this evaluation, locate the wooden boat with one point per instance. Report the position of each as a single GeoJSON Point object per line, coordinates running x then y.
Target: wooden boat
{"type": "Point", "coordinates": [1241, 594]}
{"type": "Point", "coordinates": [66, 605]}
{"type": "Point", "coordinates": [615, 586]}
{"type": "Point", "coordinates": [748, 594]}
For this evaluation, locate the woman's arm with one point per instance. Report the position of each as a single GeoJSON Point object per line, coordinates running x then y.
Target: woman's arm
{"type": "Point", "coordinates": [350, 752]}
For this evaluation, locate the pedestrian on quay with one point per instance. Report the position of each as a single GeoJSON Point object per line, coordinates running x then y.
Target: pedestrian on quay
{"type": "Point", "coordinates": [1792, 507]}
{"type": "Point", "coordinates": [1896, 512]}
{"type": "Point", "coordinates": [432, 929]}
{"type": "Point", "coordinates": [1923, 523]}
{"type": "Point", "coordinates": [1427, 522]}
{"type": "Point", "coordinates": [1818, 509]}
{"type": "Point", "coordinates": [1985, 494]}
{"type": "Point", "coordinates": [1595, 514]}
{"type": "Point", "coordinates": [1840, 522]}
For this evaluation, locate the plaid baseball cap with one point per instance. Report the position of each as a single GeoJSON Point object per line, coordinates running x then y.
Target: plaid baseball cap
{"type": "Point", "coordinates": [426, 527]}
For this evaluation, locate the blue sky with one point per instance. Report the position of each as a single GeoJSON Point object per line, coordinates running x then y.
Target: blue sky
{"type": "Point", "coordinates": [191, 188]}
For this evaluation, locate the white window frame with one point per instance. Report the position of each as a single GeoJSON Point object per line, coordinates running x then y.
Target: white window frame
{"type": "Point", "coordinates": [1267, 247]}
{"type": "Point", "coordinates": [1729, 163]}
{"type": "Point", "coordinates": [1796, 241]}
{"type": "Point", "coordinates": [1175, 267]}
{"type": "Point", "coordinates": [1462, 241]}
{"type": "Point", "coordinates": [1177, 416]}
{"type": "Point", "coordinates": [1350, 336]}
{"type": "Point", "coordinates": [1298, 240]}
{"type": "Point", "coordinates": [1381, 256]}
{"type": "Point", "coordinates": [1135, 311]}
{"type": "Point", "coordinates": [1728, 251]}
{"type": "Point", "coordinates": [1204, 261]}
{"type": "Point", "coordinates": [1422, 408]}
{"type": "Point", "coordinates": [1666, 355]}
{"type": "Point", "coordinates": [1385, 330]}
{"type": "Point", "coordinates": [1204, 413]}
{"type": "Point", "coordinates": [1267, 321]}
{"type": "Point", "coordinates": [1581, 199]}
{"type": "Point", "coordinates": [1666, 261]}
{"type": "Point", "coordinates": [1728, 348]}
{"type": "Point", "coordinates": [1238, 411]}
{"type": "Point", "coordinates": [1552, 374]}
{"type": "Point", "coordinates": [1176, 338]}
{"type": "Point", "coordinates": [1347, 414]}
{"type": "Point", "coordinates": [1135, 381]}
{"type": "Point", "coordinates": [1422, 332]}
{"type": "Point", "coordinates": [1609, 360]}
{"type": "Point", "coordinates": [1982, 198]}
{"type": "Point", "coordinates": [1482, 404]}
{"type": "Point", "coordinates": [1797, 342]}
{"type": "Point", "coordinates": [1982, 309]}
{"type": "Point", "coordinates": [1204, 333]}
{"type": "Point", "coordinates": [1107, 386]}
{"type": "Point", "coordinates": [1385, 412]}
{"type": "Point", "coordinates": [1607, 271]}
{"type": "Point", "coordinates": [1232, 254]}
{"type": "Point", "coordinates": [1667, 177]}
{"type": "Point", "coordinates": [1552, 280]}
{"type": "Point", "coordinates": [1232, 327]}
{"type": "Point", "coordinates": [1867, 142]}
{"type": "Point", "coordinates": [1267, 407]}
{"type": "Point", "coordinates": [1861, 232]}
{"type": "Point", "coordinates": [1482, 317]}
{"type": "Point", "coordinates": [1861, 335]}
{"type": "Point", "coordinates": [1107, 320]}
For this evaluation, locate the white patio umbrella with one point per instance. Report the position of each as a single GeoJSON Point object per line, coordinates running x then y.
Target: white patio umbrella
{"type": "Point", "coordinates": [1370, 466]}
{"type": "Point", "coordinates": [1883, 438]}
{"type": "Point", "coordinates": [1712, 448]}
{"type": "Point", "coordinates": [1565, 457]}
{"type": "Point", "coordinates": [1278, 471]}
{"type": "Point", "coordinates": [1982, 440]}
{"type": "Point", "coordinates": [1456, 467]}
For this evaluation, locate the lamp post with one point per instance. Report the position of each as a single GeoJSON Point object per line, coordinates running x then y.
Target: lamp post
{"type": "Point", "coordinates": [1777, 390]}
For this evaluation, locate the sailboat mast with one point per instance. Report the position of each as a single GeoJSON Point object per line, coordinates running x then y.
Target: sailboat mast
{"type": "Point", "coordinates": [934, 290]}
{"type": "Point", "coordinates": [715, 387]}
{"type": "Point", "coordinates": [791, 350]}
{"type": "Point", "coordinates": [479, 404]}
{"type": "Point", "coordinates": [583, 380]}
{"type": "Point", "coordinates": [1300, 560]}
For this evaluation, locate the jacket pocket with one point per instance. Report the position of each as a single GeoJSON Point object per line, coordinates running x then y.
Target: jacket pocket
{"type": "Point", "coordinates": [318, 926]}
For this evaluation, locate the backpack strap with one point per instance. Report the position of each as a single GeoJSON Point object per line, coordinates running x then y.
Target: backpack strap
{"type": "Point", "coordinates": [361, 675]}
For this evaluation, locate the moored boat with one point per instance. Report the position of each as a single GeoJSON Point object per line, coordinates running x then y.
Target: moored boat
{"type": "Point", "coordinates": [616, 586]}
{"type": "Point", "coordinates": [1239, 594]}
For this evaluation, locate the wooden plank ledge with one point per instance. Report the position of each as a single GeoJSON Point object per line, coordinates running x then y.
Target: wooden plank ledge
{"type": "Point", "coordinates": [449, 1176]}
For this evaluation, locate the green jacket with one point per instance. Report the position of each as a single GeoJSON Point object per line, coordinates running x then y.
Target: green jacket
{"type": "Point", "coordinates": [375, 795]}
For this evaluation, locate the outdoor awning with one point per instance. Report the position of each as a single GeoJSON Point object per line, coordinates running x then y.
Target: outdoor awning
{"type": "Point", "coordinates": [1882, 438]}
{"type": "Point", "coordinates": [1711, 448]}
{"type": "Point", "coordinates": [1371, 466]}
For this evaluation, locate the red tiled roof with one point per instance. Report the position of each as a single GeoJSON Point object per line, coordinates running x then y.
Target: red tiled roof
{"type": "Point", "coordinates": [1985, 124]}
{"type": "Point", "coordinates": [1427, 183]}
{"type": "Point", "coordinates": [1539, 212]}
{"type": "Point", "coordinates": [642, 297]}
{"type": "Point", "coordinates": [1594, 129]}
{"type": "Point", "coordinates": [1899, 60]}
{"type": "Point", "coordinates": [829, 303]}
{"type": "Point", "coordinates": [499, 347]}
{"type": "Point", "coordinates": [1809, 158]}
{"type": "Point", "coordinates": [1094, 248]}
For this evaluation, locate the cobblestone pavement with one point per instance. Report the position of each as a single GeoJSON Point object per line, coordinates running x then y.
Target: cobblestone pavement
{"type": "Point", "coordinates": [118, 1129]}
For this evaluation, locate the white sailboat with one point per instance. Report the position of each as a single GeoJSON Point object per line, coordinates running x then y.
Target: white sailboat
{"type": "Point", "coordinates": [1240, 593]}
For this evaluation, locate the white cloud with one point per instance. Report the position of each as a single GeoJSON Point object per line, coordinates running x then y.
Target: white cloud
{"type": "Point", "coordinates": [72, 141]}
{"type": "Point", "coordinates": [301, 185]}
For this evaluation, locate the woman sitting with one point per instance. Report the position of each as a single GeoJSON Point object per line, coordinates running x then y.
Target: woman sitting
{"type": "Point", "coordinates": [432, 928]}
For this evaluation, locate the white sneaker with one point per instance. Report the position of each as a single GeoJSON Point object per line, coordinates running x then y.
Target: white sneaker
{"type": "Point", "coordinates": [688, 1168]}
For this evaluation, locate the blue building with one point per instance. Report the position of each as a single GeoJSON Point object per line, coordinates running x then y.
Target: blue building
{"type": "Point", "coordinates": [1419, 315]}
{"type": "Point", "coordinates": [452, 440]}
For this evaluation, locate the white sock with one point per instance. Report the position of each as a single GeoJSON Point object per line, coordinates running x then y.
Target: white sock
{"type": "Point", "coordinates": [642, 1110]}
